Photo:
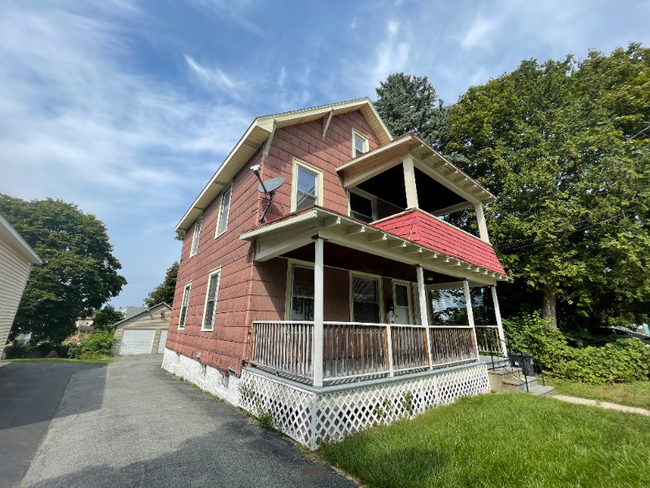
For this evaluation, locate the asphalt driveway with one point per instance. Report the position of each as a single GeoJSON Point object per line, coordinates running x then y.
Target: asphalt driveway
{"type": "Point", "coordinates": [131, 424]}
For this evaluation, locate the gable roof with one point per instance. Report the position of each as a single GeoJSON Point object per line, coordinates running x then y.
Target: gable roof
{"type": "Point", "coordinates": [259, 131]}
{"type": "Point", "coordinates": [441, 169]}
{"type": "Point", "coordinates": [15, 240]}
{"type": "Point", "coordinates": [126, 321]}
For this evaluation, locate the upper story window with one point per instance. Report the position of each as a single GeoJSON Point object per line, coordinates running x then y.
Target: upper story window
{"type": "Point", "coordinates": [185, 305]}
{"type": "Point", "coordinates": [211, 300]}
{"type": "Point", "coordinates": [224, 210]}
{"type": "Point", "coordinates": [362, 207]}
{"type": "Point", "coordinates": [196, 236]}
{"type": "Point", "coordinates": [359, 144]}
{"type": "Point", "coordinates": [307, 186]}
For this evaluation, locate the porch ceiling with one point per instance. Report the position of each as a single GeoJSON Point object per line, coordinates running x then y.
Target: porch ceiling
{"type": "Point", "coordinates": [355, 260]}
{"type": "Point", "coordinates": [297, 230]}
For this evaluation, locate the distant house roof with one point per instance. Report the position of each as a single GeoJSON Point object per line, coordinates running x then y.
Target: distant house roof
{"type": "Point", "coordinates": [131, 311]}
{"type": "Point", "coordinates": [125, 321]}
{"type": "Point", "coordinates": [258, 133]}
{"type": "Point", "coordinates": [16, 241]}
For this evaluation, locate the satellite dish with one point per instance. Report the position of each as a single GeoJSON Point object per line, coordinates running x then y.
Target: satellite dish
{"type": "Point", "coordinates": [269, 186]}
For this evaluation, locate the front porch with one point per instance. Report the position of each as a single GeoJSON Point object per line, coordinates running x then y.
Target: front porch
{"type": "Point", "coordinates": [393, 350]}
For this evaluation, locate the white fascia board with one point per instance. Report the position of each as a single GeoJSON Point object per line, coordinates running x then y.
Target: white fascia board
{"type": "Point", "coordinates": [12, 236]}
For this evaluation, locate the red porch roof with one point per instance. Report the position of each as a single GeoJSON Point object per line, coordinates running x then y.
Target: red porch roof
{"type": "Point", "coordinates": [439, 236]}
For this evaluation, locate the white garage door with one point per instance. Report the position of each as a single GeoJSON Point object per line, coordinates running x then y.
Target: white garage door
{"type": "Point", "coordinates": [162, 341]}
{"type": "Point", "coordinates": [137, 341]}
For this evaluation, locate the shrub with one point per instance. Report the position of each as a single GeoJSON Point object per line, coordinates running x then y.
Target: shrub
{"type": "Point", "coordinates": [99, 344]}
{"type": "Point", "coordinates": [621, 361]}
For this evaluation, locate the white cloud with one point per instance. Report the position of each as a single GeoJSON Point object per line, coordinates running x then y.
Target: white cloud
{"type": "Point", "coordinates": [212, 78]}
{"type": "Point", "coordinates": [282, 77]}
{"type": "Point", "coordinates": [479, 32]}
{"type": "Point", "coordinates": [353, 24]}
{"type": "Point", "coordinates": [392, 27]}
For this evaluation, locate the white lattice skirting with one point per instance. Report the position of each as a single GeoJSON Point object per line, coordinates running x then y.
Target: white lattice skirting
{"type": "Point", "coordinates": [310, 416]}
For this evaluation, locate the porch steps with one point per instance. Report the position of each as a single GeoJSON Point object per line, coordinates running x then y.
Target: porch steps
{"type": "Point", "coordinates": [512, 380]}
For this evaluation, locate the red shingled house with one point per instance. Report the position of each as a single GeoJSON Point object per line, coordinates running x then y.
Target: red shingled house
{"type": "Point", "coordinates": [321, 311]}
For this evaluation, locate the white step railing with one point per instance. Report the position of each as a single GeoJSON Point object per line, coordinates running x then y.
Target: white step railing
{"type": "Point", "coordinates": [356, 351]}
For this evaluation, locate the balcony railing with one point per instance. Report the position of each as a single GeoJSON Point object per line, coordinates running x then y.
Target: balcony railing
{"type": "Point", "coordinates": [487, 339]}
{"type": "Point", "coordinates": [355, 351]}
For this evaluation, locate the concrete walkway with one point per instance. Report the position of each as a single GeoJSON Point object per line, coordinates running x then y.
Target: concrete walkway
{"type": "Point", "coordinates": [607, 405]}
{"type": "Point", "coordinates": [130, 424]}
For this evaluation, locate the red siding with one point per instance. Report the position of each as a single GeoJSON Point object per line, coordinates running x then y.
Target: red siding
{"type": "Point", "coordinates": [438, 236]}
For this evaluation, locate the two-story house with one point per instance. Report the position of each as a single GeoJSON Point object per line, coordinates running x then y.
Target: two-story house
{"type": "Point", "coordinates": [313, 302]}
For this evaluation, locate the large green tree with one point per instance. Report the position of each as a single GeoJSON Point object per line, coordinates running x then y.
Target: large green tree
{"type": "Point", "coordinates": [165, 291]}
{"type": "Point", "coordinates": [409, 103]}
{"type": "Point", "coordinates": [565, 146]}
{"type": "Point", "coordinates": [79, 272]}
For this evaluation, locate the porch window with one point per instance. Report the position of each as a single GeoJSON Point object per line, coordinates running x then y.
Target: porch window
{"type": "Point", "coordinates": [365, 299]}
{"type": "Point", "coordinates": [360, 144]}
{"type": "Point", "coordinates": [211, 300]}
{"type": "Point", "coordinates": [362, 207]}
{"type": "Point", "coordinates": [196, 236]}
{"type": "Point", "coordinates": [302, 293]}
{"type": "Point", "coordinates": [184, 306]}
{"type": "Point", "coordinates": [224, 209]}
{"type": "Point", "coordinates": [402, 303]}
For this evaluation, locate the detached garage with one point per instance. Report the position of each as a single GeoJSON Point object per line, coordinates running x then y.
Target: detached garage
{"type": "Point", "coordinates": [144, 333]}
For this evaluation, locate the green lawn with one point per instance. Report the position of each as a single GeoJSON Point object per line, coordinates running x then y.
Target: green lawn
{"type": "Point", "coordinates": [106, 360]}
{"type": "Point", "coordinates": [632, 394]}
{"type": "Point", "coordinates": [502, 441]}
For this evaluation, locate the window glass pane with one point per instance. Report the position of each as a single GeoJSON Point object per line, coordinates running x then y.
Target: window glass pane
{"type": "Point", "coordinates": [359, 146]}
{"type": "Point", "coordinates": [209, 312]}
{"type": "Point", "coordinates": [211, 301]}
{"type": "Point", "coordinates": [184, 306]}
{"type": "Point", "coordinates": [365, 298]}
{"type": "Point", "coordinates": [223, 216]}
{"type": "Point", "coordinates": [304, 201]}
{"type": "Point", "coordinates": [449, 307]}
{"type": "Point", "coordinates": [361, 207]}
{"type": "Point", "coordinates": [302, 294]}
{"type": "Point", "coordinates": [196, 236]}
{"type": "Point", "coordinates": [306, 182]}
{"type": "Point", "coordinates": [401, 295]}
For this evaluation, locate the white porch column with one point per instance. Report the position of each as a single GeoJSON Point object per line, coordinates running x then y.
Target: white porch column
{"type": "Point", "coordinates": [497, 312]}
{"type": "Point", "coordinates": [470, 313]}
{"type": "Point", "coordinates": [482, 226]}
{"type": "Point", "coordinates": [319, 298]}
{"type": "Point", "coordinates": [424, 309]}
{"type": "Point", "coordinates": [409, 183]}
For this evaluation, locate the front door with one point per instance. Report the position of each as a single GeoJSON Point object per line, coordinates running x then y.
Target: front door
{"type": "Point", "coordinates": [402, 303]}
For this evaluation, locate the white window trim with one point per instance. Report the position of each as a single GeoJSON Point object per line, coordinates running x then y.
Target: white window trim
{"type": "Point", "coordinates": [297, 163]}
{"type": "Point", "coordinates": [196, 236]}
{"type": "Point", "coordinates": [409, 294]}
{"type": "Point", "coordinates": [187, 288]}
{"type": "Point", "coordinates": [364, 194]}
{"type": "Point", "coordinates": [380, 291]}
{"type": "Point", "coordinates": [219, 216]}
{"type": "Point", "coordinates": [366, 145]}
{"type": "Point", "coordinates": [216, 298]}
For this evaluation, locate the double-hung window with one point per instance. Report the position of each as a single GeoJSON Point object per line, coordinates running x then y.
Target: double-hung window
{"type": "Point", "coordinates": [359, 144]}
{"type": "Point", "coordinates": [224, 208]}
{"type": "Point", "coordinates": [302, 293]}
{"type": "Point", "coordinates": [306, 186]}
{"type": "Point", "coordinates": [196, 236]}
{"type": "Point", "coordinates": [365, 299]}
{"type": "Point", "coordinates": [362, 207]}
{"type": "Point", "coordinates": [185, 303]}
{"type": "Point", "coordinates": [211, 300]}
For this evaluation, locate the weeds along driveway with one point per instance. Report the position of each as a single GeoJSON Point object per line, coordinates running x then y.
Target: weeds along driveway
{"type": "Point", "coordinates": [146, 428]}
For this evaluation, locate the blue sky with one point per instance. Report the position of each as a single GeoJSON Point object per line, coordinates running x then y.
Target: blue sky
{"type": "Point", "coordinates": [127, 108]}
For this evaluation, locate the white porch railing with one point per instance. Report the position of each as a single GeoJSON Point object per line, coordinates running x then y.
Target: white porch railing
{"type": "Point", "coordinates": [355, 351]}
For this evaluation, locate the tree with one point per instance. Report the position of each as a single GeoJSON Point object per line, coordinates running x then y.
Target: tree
{"type": "Point", "coordinates": [165, 291]}
{"type": "Point", "coordinates": [565, 147]}
{"type": "Point", "coordinates": [79, 272]}
{"type": "Point", "coordinates": [410, 104]}
{"type": "Point", "coordinates": [106, 318]}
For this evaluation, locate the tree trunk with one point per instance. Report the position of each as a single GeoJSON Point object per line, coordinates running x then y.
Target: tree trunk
{"type": "Point", "coordinates": [549, 307]}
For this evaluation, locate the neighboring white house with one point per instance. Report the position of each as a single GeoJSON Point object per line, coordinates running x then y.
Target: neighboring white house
{"type": "Point", "coordinates": [143, 333]}
{"type": "Point", "coordinates": [16, 260]}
